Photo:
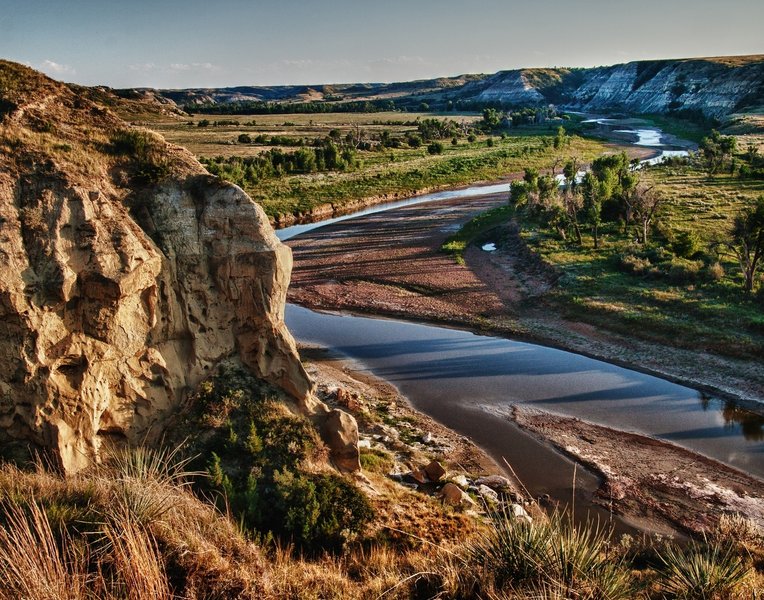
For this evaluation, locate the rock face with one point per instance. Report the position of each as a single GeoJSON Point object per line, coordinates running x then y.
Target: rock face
{"type": "Point", "coordinates": [715, 87]}
{"type": "Point", "coordinates": [119, 294]}
{"type": "Point", "coordinates": [712, 87]}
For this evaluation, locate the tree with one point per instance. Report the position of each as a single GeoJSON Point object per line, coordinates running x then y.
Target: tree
{"type": "Point", "coordinates": [569, 171]}
{"type": "Point", "coordinates": [643, 205]}
{"type": "Point", "coordinates": [594, 191]}
{"type": "Point", "coordinates": [491, 118]}
{"type": "Point", "coordinates": [561, 139]}
{"type": "Point", "coordinates": [717, 149]}
{"type": "Point", "coordinates": [747, 244]}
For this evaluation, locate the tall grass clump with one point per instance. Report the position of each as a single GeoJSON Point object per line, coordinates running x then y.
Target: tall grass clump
{"type": "Point", "coordinates": [702, 571]}
{"type": "Point", "coordinates": [148, 482]}
{"type": "Point", "coordinates": [137, 559]}
{"type": "Point", "coordinates": [549, 558]}
{"type": "Point", "coordinates": [33, 565]}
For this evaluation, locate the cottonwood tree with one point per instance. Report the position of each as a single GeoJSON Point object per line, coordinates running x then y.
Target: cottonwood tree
{"type": "Point", "coordinates": [717, 149]}
{"type": "Point", "coordinates": [747, 244]}
{"type": "Point", "coordinates": [643, 204]}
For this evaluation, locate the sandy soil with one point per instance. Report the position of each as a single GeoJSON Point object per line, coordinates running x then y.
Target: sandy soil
{"type": "Point", "coordinates": [653, 481]}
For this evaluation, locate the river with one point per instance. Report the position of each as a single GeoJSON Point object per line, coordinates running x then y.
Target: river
{"type": "Point", "coordinates": [470, 382]}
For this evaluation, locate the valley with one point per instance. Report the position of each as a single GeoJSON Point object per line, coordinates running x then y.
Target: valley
{"type": "Point", "coordinates": [481, 336]}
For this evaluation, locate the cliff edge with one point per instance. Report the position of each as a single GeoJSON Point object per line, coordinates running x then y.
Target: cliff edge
{"type": "Point", "coordinates": [127, 273]}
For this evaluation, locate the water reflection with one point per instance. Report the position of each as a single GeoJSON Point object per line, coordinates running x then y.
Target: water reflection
{"type": "Point", "coordinates": [444, 371]}
{"type": "Point", "coordinates": [750, 424]}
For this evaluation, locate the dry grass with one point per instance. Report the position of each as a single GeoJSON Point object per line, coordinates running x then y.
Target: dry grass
{"type": "Point", "coordinates": [138, 561]}
{"type": "Point", "coordinates": [32, 565]}
{"type": "Point", "coordinates": [99, 549]}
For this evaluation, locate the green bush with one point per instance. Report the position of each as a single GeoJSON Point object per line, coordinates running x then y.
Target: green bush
{"type": "Point", "coordinates": [317, 511]}
{"type": "Point", "coordinates": [435, 148]}
{"type": "Point", "coordinates": [687, 244]}
{"type": "Point", "coordinates": [253, 450]}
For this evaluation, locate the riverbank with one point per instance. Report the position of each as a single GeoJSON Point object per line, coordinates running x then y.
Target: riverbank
{"type": "Point", "coordinates": [391, 264]}
{"type": "Point", "coordinates": [650, 485]}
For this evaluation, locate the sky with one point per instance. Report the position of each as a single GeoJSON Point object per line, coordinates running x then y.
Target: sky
{"type": "Point", "coordinates": [216, 43]}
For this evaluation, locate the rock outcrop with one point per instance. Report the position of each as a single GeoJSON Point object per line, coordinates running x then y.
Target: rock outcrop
{"type": "Point", "coordinates": [712, 87]}
{"type": "Point", "coordinates": [127, 273]}
{"type": "Point", "coordinates": [715, 87]}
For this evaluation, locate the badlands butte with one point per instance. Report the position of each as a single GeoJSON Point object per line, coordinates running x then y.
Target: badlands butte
{"type": "Point", "coordinates": [142, 303]}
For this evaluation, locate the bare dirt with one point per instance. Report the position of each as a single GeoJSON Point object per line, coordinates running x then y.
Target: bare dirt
{"type": "Point", "coordinates": [648, 479]}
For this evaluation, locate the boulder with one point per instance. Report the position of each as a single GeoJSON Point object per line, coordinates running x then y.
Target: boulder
{"type": "Point", "coordinates": [519, 512]}
{"type": "Point", "coordinates": [498, 483]}
{"type": "Point", "coordinates": [461, 481]}
{"type": "Point", "coordinates": [488, 494]}
{"type": "Point", "coordinates": [340, 432]}
{"type": "Point", "coordinates": [418, 475]}
{"type": "Point", "coordinates": [452, 494]}
{"type": "Point", "coordinates": [435, 471]}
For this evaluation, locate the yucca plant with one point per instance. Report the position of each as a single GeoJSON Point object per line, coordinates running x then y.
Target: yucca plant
{"type": "Point", "coordinates": [701, 571]}
{"type": "Point", "coordinates": [148, 481]}
{"type": "Point", "coordinates": [550, 556]}
{"type": "Point", "coordinates": [163, 465]}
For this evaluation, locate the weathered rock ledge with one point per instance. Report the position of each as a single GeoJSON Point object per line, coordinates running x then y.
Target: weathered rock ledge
{"type": "Point", "coordinates": [120, 292]}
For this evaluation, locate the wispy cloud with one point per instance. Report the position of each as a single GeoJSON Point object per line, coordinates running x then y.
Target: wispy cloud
{"type": "Point", "coordinates": [53, 68]}
{"type": "Point", "coordinates": [174, 67]}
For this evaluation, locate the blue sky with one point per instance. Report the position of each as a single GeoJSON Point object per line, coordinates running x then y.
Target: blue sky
{"type": "Point", "coordinates": [169, 43]}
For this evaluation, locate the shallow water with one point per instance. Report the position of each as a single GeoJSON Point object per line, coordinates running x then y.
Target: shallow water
{"type": "Point", "coordinates": [645, 137]}
{"type": "Point", "coordinates": [454, 375]}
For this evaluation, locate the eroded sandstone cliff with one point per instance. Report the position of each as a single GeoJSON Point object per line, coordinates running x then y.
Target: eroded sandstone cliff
{"type": "Point", "coordinates": [127, 273]}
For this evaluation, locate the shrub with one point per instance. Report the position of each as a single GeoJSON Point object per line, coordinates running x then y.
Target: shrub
{"type": "Point", "coordinates": [414, 140]}
{"type": "Point", "coordinates": [687, 244]}
{"type": "Point", "coordinates": [254, 453]}
{"type": "Point", "coordinates": [435, 148]}
{"type": "Point", "coordinates": [244, 138]}
{"type": "Point", "coordinates": [634, 264]}
{"type": "Point", "coordinates": [682, 271]}
{"type": "Point", "coordinates": [376, 461]}
{"type": "Point", "coordinates": [714, 272]}
{"type": "Point", "coordinates": [317, 511]}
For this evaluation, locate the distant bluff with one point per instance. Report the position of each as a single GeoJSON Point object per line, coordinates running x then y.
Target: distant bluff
{"type": "Point", "coordinates": [127, 273]}
{"type": "Point", "coordinates": [714, 87]}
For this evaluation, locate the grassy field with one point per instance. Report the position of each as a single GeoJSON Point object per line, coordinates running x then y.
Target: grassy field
{"type": "Point", "coordinates": [675, 301]}
{"type": "Point", "coordinates": [388, 172]}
